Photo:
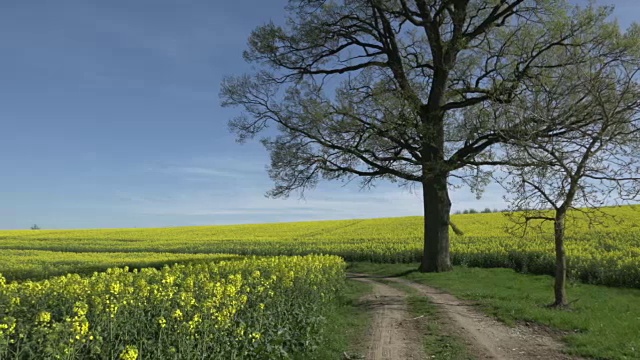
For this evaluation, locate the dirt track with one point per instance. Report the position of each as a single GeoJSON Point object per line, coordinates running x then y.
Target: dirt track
{"type": "Point", "coordinates": [393, 334]}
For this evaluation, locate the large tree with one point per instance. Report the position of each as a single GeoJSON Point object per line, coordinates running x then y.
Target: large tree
{"type": "Point", "coordinates": [391, 90]}
{"type": "Point", "coordinates": [594, 158]}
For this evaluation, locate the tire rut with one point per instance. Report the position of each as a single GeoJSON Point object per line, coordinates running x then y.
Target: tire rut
{"type": "Point", "coordinates": [393, 335]}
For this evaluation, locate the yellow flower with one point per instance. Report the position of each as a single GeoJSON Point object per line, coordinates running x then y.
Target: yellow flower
{"type": "Point", "coordinates": [115, 288]}
{"type": "Point", "coordinates": [129, 353]}
{"type": "Point", "coordinates": [177, 314]}
{"type": "Point", "coordinates": [240, 331]}
{"type": "Point", "coordinates": [255, 336]}
{"type": "Point", "coordinates": [80, 308]}
{"type": "Point", "coordinates": [44, 317]}
{"type": "Point", "coordinates": [80, 327]}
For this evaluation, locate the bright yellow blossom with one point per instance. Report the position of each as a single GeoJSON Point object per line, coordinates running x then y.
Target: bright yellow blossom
{"type": "Point", "coordinates": [129, 353]}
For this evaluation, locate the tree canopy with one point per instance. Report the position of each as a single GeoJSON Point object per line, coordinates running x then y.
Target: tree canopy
{"type": "Point", "coordinates": [594, 158]}
{"type": "Point", "coordinates": [402, 90]}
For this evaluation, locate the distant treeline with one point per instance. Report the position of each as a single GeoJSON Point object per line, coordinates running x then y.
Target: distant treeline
{"type": "Point", "coordinates": [474, 211]}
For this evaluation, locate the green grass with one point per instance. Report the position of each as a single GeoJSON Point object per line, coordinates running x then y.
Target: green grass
{"type": "Point", "coordinates": [439, 342]}
{"type": "Point", "coordinates": [346, 325]}
{"type": "Point", "coordinates": [603, 323]}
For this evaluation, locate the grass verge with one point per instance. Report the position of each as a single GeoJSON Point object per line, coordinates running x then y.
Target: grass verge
{"type": "Point", "coordinates": [602, 323]}
{"type": "Point", "coordinates": [439, 342]}
{"type": "Point", "coordinates": [346, 325]}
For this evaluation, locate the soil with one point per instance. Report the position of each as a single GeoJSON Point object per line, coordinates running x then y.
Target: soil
{"type": "Point", "coordinates": [392, 334]}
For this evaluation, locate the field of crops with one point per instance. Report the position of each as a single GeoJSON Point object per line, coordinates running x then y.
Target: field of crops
{"type": "Point", "coordinates": [216, 298]}
{"type": "Point", "coordinates": [607, 253]}
{"type": "Point", "coordinates": [251, 308]}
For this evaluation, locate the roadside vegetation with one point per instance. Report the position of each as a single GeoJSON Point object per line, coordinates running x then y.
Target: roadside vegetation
{"type": "Point", "coordinates": [346, 325]}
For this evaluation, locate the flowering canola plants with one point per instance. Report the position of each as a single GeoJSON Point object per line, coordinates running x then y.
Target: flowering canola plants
{"type": "Point", "coordinates": [42, 264]}
{"type": "Point", "coordinates": [249, 308]}
{"type": "Point", "coordinates": [607, 253]}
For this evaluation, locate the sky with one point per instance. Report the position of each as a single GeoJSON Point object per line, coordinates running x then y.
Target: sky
{"type": "Point", "coordinates": [110, 117]}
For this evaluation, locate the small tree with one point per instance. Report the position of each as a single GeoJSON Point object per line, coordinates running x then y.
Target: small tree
{"type": "Point", "coordinates": [593, 162]}
{"type": "Point", "coordinates": [35, 227]}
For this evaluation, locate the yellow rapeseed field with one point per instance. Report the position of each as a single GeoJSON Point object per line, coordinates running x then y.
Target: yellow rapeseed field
{"type": "Point", "coordinates": [219, 299]}
{"type": "Point", "coordinates": [602, 253]}
{"type": "Point", "coordinates": [252, 308]}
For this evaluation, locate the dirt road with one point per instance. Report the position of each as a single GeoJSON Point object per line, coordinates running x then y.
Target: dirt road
{"type": "Point", "coordinates": [395, 335]}
{"type": "Point", "coordinates": [392, 334]}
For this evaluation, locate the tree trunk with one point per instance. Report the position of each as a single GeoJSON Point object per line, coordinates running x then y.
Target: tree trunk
{"type": "Point", "coordinates": [561, 260]}
{"type": "Point", "coordinates": [437, 206]}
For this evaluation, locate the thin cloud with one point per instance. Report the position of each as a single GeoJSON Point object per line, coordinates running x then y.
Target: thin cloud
{"type": "Point", "coordinates": [241, 203]}
{"type": "Point", "coordinates": [204, 168]}
{"type": "Point", "coordinates": [328, 205]}
{"type": "Point", "coordinates": [201, 171]}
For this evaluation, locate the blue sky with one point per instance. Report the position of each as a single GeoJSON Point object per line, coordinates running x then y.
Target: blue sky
{"type": "Point", "coordinates": [109, 117]}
